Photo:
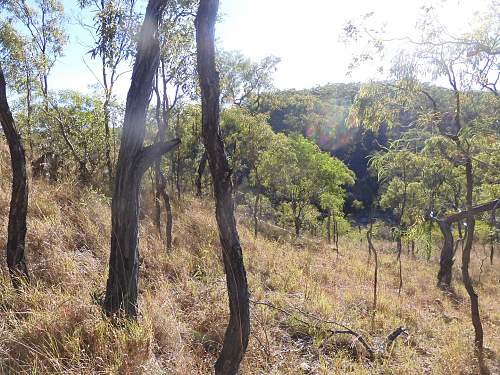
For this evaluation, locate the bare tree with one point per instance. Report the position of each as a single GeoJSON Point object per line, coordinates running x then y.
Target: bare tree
{"type": "Point", "coordinates": [238, 329]}
{"type": "Point", "coordinates": [16, 229]}
{"type": "Point", "coordinates": [133, 160]}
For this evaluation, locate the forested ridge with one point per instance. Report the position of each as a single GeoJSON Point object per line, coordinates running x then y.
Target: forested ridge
{"type": "Point", "coordinates": [210, 221]}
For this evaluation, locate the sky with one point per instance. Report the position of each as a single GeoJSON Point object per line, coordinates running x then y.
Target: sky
{"type": "Point", "coordinates": [304, 34]}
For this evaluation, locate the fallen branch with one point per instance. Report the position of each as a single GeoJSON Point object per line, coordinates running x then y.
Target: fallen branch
{"type": "Point", "coordinates": [345, 330]}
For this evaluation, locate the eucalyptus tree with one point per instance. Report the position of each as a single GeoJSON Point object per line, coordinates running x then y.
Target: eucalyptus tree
{"type": "Point", "coordinates": [77, 133]}
{"type": "Point", "coordinates": [459, 124]}
{"type": "Point", "coordinates": [243, 81]}
{"type": "Point", "coordinates": [238, 329]}
{"type": "Point", "coordinates": [16, 228]}
{"type": "Point", "coordinates": [133, 161]}
{"type": "Point", "coordinates": [247, 138]}
{"type": "Point", "coordinates": [243, 84]}
{"type": "Point", "coordinates": [298, 174]}
{"type": "Point", "coordinates": [42, 24]}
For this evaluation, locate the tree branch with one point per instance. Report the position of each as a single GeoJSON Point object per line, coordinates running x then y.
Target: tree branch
{"type": "Point", "coordinates": [149, 154]}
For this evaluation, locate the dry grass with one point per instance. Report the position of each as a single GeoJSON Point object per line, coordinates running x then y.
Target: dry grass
{"type": "Point", "coordinates": [54, 327]}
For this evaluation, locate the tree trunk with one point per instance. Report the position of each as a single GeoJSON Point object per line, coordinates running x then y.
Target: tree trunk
{"type": "Point", "coordinates": [400, 287]}
{"type": "Point", "coordinates": [336, 235]}
{"type": "Point", "coordinates": [178, 176]}
{"type": "Point", "coordinates": [161, 182]}
{"type": "Point", "coordinates": [107, 133]}
{"type": "Point", "coordinates": [238, 329]}
{"type": "Point", "coordinates": [255, 214]}
{"type": "Point", "coordinates": [329, 228]}
{"type": "Point", "coordinates": [29, 112]}
{"type": "Point", "coordinates": [16, 228]}
{"type": "Point", "coordinates": [446, 261]}
{"type": "Point", "coordinates": [133, 161]}
{"type": "Point", "coordinates": [199, 175]}
{"type": "Point", "coordinates": [399, 245]}
{"type": "Point", "coordinates": [371, 249]}
{"type": "Point", "coordinates": [494, 234]}
{"type": "Point", "coordinates": [296, 221]}
{"type": "Point", "coordinates": [474, 299]}
{"type": "Point", "coordinates": [156, 192]}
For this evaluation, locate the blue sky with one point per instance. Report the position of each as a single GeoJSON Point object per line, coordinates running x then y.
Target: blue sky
{"type": "Point", "coordinates": [305, 35]}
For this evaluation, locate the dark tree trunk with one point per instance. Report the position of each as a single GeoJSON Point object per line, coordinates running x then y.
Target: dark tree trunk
{"type": "Point", "coordinates": [447, 251]}
{"type": "Point", "coordinates": [336, 235]}
{"type": "Point", "coordinates": [133, 161]}
{"type": "Point", "coordinates": [199, 175]}
{"type": "Point", "coordinates": [399, 245]}
{"type": "Point", "coordinates": [256, 214]}
{"type": "Point", "coordinates": [161, 182]}
{"type": "Point", "coordinates": [494, 234]}
{"type": "Point", "coordinates": [107, 133]}
{"type": "Point", "coordinates": [400, 287]}
{"type": "Point", "coordinates": [329, 228]}
{"type": "Point", "coordinates": [371, 249]}
{"type": "Point", "coordinates": [446, 261]}
{"type": "Point", "coordinates": [474, 299]}
{"type": "Point", "coordinates": [16, 228]}
{"type": "Point", "coordinates": [178, 176]}
{"type": "Point", "coordinates": [238, 329]}
{"type": "Point", "coordinates": [297, 225]}
{"type": "Point", "coordinates": [157, 198]}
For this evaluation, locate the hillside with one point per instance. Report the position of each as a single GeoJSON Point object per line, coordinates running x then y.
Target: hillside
{"type": "Point", "coordinates": [56, 327]}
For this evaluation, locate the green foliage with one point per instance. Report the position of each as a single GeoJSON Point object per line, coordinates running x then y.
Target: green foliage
{"type": "Point", "coordinates": [242, 80]}
{"type": "Point", "coordinates": [298, 174]}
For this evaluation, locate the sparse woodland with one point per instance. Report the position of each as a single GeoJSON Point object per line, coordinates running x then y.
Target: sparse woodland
{"type": "Point", "coordinates": [212, 223]}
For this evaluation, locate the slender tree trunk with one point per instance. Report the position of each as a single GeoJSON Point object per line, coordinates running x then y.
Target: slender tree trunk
{"type": "Point", "coordinates": [156, 193]}
{"type": "Point", "coordinates": [474, 299]}
{"type": "Point", "coordinates": [107, 136]}
{"type": "Point", "coordinates": [429, 243]}
{"type": "Point", "coordinates": [161, 182]}
{"type": "Point", "coordinates": [255, 214]}
{"type": "Point", "coordinates": [238, 329]}
{"type": "Point", "coordinates": [336, 235]}
{"type": "Point", "coordinates": [494, 234]}
{"type": "Point", "coordinates": [399, 246]}
{"type": "Point", "coordinates": [329, 228]}
{"type": "Point", "coordinates": [371, 249]}
{"type": "Point", "coordinates": [16, 228]}
{"type": "Point", "coordinates": [400, 287]}
{"type": "Point", "coordinates": [162, 192]}
{"type": "Point", "coordinates": [178, 175]}
{"type": "Point", "coordinates": [133, 160]}
{"type": "Point", "coordinates": [199, 175]}
{"type": "Point", "coordinates": [29, 113]}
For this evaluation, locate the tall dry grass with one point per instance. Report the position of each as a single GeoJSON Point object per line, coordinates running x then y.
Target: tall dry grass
{"type": "Point", "coordinates": [54, 326]}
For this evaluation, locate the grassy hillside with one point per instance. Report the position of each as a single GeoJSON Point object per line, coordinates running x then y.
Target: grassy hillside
{"type": "Point", "coordinates": [55, 325]}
